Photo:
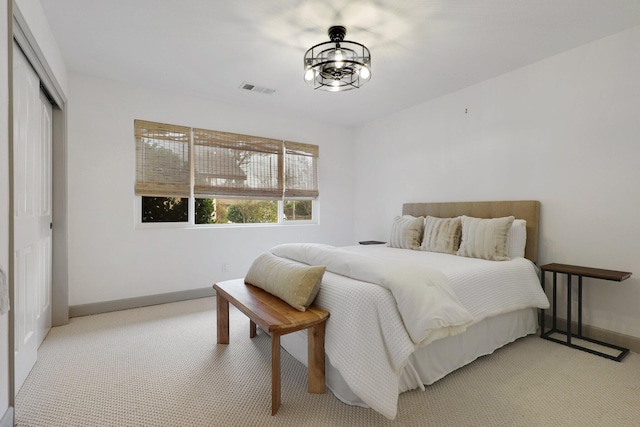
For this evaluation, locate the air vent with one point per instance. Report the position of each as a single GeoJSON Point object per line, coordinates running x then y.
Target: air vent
{"type": "Point", "coordinates": [254, 88]}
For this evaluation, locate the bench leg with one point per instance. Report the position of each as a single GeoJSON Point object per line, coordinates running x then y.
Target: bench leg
{"type": "Point", "coordinates": [315, 350]}
{"type": "Point", "coordinates": [252, 329]}
{"type": "Point", "coordinates": [222, 306]}
{"type": "Point", "coordinates": [275, 373]}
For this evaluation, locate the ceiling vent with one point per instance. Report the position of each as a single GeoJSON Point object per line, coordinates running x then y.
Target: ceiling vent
{"type": "Point", "coordinates": [254, 88]}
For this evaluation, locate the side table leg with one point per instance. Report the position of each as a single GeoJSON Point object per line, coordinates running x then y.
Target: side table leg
{"type": "Point", "coordinates": [252, 328]}
{"type": "Point", "coordinates": [316, 359]}
{"type": "Point", "coordinates": [222, 308]}
{"type": "Point", "coordinates": [555, 300]}
{"type": "Point", "coordinates": [569, 309]}
{"type": "Point", "coordinates": [580, 306]}
{"type": "Point", "coordinates": [542, 274]}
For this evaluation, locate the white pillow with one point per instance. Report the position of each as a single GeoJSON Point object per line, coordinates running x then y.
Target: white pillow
{"type": "Point", "coordinates": [406, 232]}
{"type": "Point", "coordinates": [517, 239]}
{"type": "Point", "coordinates": [441, 235]}
{"type": "Point", "coordinates": [485, 238]}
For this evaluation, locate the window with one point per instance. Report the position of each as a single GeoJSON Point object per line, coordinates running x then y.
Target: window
{"type": "Point", "coordinates": [297, 210]}
{"type": "Point", "coordinates": [165, 209]}
{"type": "Point", "coordinates": [202, 176]}
{"type": "Point", "coordinates": [230, 211]}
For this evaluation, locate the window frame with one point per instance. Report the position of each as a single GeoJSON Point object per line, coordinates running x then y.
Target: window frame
{"type": "Point", "coordinates": [190, 223]}
{"type": "Point", "coordinates": [299, 189]}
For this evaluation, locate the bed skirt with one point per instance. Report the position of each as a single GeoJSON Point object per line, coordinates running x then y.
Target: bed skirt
{"type": "Point", "coordinates": [432, 362]}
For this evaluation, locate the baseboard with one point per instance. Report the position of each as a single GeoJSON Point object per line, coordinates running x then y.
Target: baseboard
{"type": "Point", "coordinates": [7, 418]}
{"type": "Point", "coordinates": [627, 341]}
{"type": "Point", "coordinates": [125, 304]}
{"type": "Point", "coordinates": [615, 338]}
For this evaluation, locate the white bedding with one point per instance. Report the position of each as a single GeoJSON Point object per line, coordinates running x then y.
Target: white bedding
{"type": "Point", "coordinates": [428, 306]}
{"type": "Point", "coordinates": [366, 338]}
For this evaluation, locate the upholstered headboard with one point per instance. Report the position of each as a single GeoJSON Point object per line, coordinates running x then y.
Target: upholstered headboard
{"type": "Point", "coordinates": [528, 210]}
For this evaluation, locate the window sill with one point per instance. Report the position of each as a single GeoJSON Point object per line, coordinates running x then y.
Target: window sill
{"type": "Point", "coordinates": [186, 226]}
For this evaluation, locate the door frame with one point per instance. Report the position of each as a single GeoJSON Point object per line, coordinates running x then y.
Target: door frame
{"type": "Point", "coordinates": [20, 32]}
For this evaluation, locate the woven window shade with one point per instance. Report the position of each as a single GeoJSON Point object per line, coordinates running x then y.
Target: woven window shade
{"type": "Point", "coordinates": [301, 170]}
{"type": "Point", "coordinates": [234, 165]}
{"type": "Point", "coordinates": [162, 159]}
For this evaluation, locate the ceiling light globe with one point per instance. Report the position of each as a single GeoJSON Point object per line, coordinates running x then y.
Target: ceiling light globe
{"type": "Point", "coordinates": [309, 75]}
{"type": "Point", "coordinates": [364, 73]}
{"type": "Point", "coordinates": [338, 58]}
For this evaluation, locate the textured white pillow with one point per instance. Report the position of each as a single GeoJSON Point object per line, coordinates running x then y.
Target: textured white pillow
{"type": "Point", "coordinates": [406, 232]}
{"type": "Point", "coordinates": [485, 238]}
{"type": "Point", "coordinates": [517, 239]}
{"type": "Point", "coordinates": [441, 235]}
{"type": "Point", "coordinates": [294, 283]}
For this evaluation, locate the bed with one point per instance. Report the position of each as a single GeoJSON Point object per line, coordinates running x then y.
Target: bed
{"type": "Point", "coordinates": [379, 340]}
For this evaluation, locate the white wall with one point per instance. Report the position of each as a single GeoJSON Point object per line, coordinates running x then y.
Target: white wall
{"type": "Point", "coordinates": [38, 25]}
{"type": "Point", "coordinates": [563, 131]}
{"type": "Point", "coordinates": [4, 200]}
{"type": "Point", "coordinates": [110, 259]}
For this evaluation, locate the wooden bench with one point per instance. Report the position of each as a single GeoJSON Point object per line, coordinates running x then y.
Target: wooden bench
{"type": "Point", "coordinates": [277, 318]}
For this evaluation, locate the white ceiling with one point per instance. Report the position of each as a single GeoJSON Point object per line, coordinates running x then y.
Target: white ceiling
{"type": "Point", "coordinates": [420, 49]}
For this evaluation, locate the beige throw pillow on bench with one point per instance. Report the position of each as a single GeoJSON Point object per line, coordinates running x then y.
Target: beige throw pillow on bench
{"type": "Point", "coordinates": [294, 283]}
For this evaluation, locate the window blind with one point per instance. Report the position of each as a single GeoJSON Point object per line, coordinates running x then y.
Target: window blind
{"type": "Point", "coordinates": [225, 164]}
{"type": "Point", "coordinates": [162, 159]}
{"type": "Point", "coordinates": [235, 165]}
{"type": "Point", "coordinates": [301, 170]}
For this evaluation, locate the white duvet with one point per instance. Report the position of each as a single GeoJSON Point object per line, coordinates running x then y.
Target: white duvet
{"type": "Point", "coordinates": [428, 307]}
{"type": "Point", "coordinates": [386, 302]}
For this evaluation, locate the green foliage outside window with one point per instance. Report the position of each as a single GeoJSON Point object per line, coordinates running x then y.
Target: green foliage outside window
{"type": "Point", "coordinates": [209, 211]}
{"type": "Point", "coordinates": [205, 211]}
{"type": "Point", "coordinates": [297, 210]}
{"type": "Point", "coordinates": [165, 209]}
{"type": "Point", "coordinates": [220, 211]}
{"type": "Point", "coordinates": [252, 211]}
{"type": "Point", "coordinates": [175, 209]}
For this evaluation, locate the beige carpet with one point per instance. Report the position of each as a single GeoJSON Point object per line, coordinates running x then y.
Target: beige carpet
{"type": "Point", "coordinates": [160, 366]}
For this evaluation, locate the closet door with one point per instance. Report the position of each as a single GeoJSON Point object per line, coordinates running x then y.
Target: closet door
{"type": "Point", "coordinates": [32, 215]}
{"type": "Point", "coordinates": [45, 224]}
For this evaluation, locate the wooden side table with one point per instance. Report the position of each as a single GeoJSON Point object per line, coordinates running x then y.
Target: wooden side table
{"type": "Point", "coordinates": [573, 270]}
